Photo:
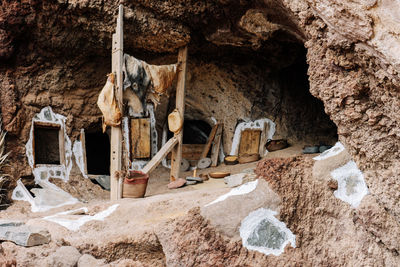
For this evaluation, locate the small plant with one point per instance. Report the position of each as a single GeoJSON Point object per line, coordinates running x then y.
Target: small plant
{"type": "Point", "coordinates": [4, 178]}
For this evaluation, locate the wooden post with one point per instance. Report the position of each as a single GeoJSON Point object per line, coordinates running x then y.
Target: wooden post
{"type": "Point", "coordinates": [116, 132]}
{"type": "Point", "coordinates": [83, 142]}
{"type": "Point", "coordinates": [216, 145]}
{"type": "Point", "coordinates": [180, 105]}
{"type": "Point", "coordinates": [210, 140]}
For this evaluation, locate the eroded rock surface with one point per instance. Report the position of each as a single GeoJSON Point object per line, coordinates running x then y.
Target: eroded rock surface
{"type": "Point", "coordinates": [243, 59]}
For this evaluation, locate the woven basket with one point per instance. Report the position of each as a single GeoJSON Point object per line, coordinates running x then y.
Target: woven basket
{"type": "Point", "coordinates": [135, 185]}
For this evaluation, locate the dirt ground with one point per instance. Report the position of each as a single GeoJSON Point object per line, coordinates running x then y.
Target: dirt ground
{"type": "Point", "coordinates": [160, 177]}
{"type": "Point", "coordinates": [149, 214]}
{"type": "Point", "coordinates": [166, 228]}
{"type": "Point", "coordinates": [158, 182]}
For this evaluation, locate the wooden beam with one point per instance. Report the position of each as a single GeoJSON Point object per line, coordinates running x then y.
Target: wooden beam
{"type": "Point", "coordinates": [61, 145]}
{"type": "Point", "coordinates": [45, 124]}
{"type": "Point", "coordinates": [83, 143]}
{"type": "Point", "coordinates": [162, 153]}
{"type": "Point", "coordinates": [209, 141]}
{"type": "Point", "coordinates": [116, 132]}
{"type": "Point", "coordinates": [216, 145]}
{"type": "Point", "coordinates": [180, 105]}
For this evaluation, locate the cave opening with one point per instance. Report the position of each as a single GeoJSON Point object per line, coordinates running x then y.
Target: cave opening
{"type": "Point", "coordinates": [238, 83]}
{"type": "Point", "coordinates": [97, 153]}
{"type": "Point", "coordinates": [302, 117]}
{"type": "Point", "coordinates": [195, 132]}
{"type": "Point", "coordinates": [47, 145]}
{"type": "Point", "coordinates": [276, 85]}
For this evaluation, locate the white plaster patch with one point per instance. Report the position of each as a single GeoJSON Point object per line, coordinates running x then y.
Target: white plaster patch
{"type": "Point", "coordinates": [48, 197]}
{"type": "Point", "coordinates": [213, 120]}
{"type": "Point", "coordinates": [125, 128]}
{"type": "Point", "coordinates": [153, 131]}
{"type": "Point", "coordinates": [258, 124]}
{"type": "Point", "coordinates": [45, 172]}
{"type": "Point", "coordinates": [138, 165]}
{"type": "Point", "coordinates": [75, 224]}
{"type": "Point", "coordinates": [262, 232]}
{"type": "Point", "coordinates": [221, 152]}
{"type": "Point", "coordinates": [351, 185]}
{"type": "Point", "coordinates": [241, 190]}
{"type": "Point", "coordinates": [78, 154]}
{"type": "Point", "coordinates": [164, 161]}
{"type": "Point", "coordinates": [333, 151]}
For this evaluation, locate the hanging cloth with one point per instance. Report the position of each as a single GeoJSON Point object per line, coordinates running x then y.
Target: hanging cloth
{"type": "Point", "coordinates": [108, 104]}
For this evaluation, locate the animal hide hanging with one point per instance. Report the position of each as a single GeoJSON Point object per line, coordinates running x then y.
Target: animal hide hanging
{"type": "Point", "coordinates": [138, 80]}
{"type": "Point", "coordinates": [108, 104]}
{"type": "Point", "coordinates": [162, 78]}
{"type": "Point", "coordinates": [148, 82]}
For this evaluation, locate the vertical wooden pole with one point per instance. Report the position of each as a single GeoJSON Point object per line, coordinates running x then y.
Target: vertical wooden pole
{"type": "Point", "coordinates": [216, 145]}
{"type": "Point", "coordinates": [180, 105]}
{"type": "Point", "coordinates": [116, 132]}
{"type": "Point", "coordinates": [83, 142]}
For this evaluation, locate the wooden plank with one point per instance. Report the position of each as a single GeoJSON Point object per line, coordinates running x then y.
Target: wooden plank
{"type": "Point", "coordinates": [83, 143]}
{"type": "Point", "coordinates": [153, 163]}
{"type": "Point", "coordinates": [190, 151]}
{"type": "Point", "coordinates": [140, 138]}
{"type": "Point", "coordinates": [180, 105]}
{"type": "Point", "coordinates": [249, 141]}
{"type": "Point", "coordinates": [116, 132]}
{"type": "Point", "coordinates": [216, 145]}
{"type": "Point", "coordinates": [61, 145]}
{"type": "Point", "coordinates": [209, 141]}
{"type": "Point", "coordinates": [44, 124]}
{"type": "Point", "coordinates": [33, 146]}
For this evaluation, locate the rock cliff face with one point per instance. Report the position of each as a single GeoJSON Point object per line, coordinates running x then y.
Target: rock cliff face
{"type": "Point", "coordinates": [244, 57]}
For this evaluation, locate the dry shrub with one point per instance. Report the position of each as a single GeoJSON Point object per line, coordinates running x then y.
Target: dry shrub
{"type": "Point", "coordinates": [4, 178]}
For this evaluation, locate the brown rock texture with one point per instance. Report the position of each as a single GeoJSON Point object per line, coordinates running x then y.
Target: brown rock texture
{"type": "Point", "coordinates": [244, 57]}
{"type": "Point", "coordinates": [169, 230]}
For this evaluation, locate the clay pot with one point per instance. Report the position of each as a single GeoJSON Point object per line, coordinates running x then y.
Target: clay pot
{"type": "Point", "coordinates": [135, 184]}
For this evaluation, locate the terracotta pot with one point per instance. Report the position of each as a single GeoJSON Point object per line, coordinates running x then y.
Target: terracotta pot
{"type": "Point", "coordinates": [135, 185]}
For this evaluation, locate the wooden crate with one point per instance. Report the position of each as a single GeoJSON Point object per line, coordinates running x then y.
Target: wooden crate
{"type": "Point", "coordinates": [190, 151]}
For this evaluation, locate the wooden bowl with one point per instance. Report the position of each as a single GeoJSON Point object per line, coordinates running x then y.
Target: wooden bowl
{"type": "Point", "coordinates": [274, 145]}
{"type": "Point", "coordinates": [246, 158]}
{"type": "Point", "coordinates": [231, 160]}
{"type": "Point", "coordinates": [219, 174]}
